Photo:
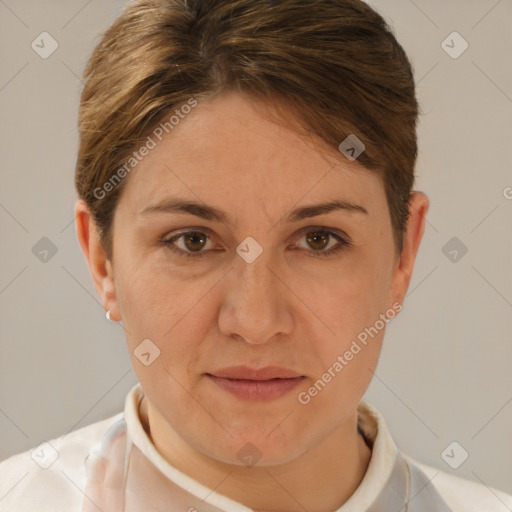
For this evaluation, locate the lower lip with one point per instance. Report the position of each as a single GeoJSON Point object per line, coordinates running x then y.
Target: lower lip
{"type": "Point", "coordinates": [257, 390]}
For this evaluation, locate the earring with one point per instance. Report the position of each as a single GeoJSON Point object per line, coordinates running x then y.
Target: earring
{"type": "Point", "coordinates": [107, 314]}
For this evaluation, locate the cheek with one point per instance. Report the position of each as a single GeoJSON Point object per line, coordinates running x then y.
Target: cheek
{"type": "Point", "coordinates": [352, 298]}
{"type": "Point", "coordinates": [355, 310]}
{"type": "Point", "coordinates": [169, 312]}
{"type": "Point", "coordinates": [350, 305]}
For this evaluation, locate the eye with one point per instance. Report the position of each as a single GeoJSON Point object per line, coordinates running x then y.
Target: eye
{"type": "Point", "coordinates": [320, 239]}
{"type": "Point", "coordinates": [192, 243]}
{"type": "Point", "coordinates": [197, 244]}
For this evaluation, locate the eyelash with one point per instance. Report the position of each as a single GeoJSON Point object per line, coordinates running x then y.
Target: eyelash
{"type": "Point", "coordinates": [342, 243]}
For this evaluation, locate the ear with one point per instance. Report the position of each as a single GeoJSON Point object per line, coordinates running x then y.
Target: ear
{"type": "Point", "coordinates": [99, 266]}
{"type": "Point", "coordinates": [418, 208]}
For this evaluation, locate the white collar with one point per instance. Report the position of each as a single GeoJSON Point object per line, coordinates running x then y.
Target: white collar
{"type": "Point", "coordinates": [129, 471]}
{"type": "Point", "coordinates": [386, 481]}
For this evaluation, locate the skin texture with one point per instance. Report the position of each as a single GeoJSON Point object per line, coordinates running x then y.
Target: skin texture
{"type": "Point", "coordinates": [289, 307]}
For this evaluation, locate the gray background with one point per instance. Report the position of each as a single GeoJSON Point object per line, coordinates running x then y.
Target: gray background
{"type": "Point", "coordinates": [444, 374]}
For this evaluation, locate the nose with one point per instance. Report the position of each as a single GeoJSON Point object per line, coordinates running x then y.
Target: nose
{"type": "Point", "coordinates": [257, 305]}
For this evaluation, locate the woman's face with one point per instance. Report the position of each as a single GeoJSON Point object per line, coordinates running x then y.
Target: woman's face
{"type": "Point", "coordinates": [262, 281]}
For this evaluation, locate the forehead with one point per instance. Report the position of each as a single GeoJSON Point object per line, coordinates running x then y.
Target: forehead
{"type": "Point", "coordinates": [228, 151]}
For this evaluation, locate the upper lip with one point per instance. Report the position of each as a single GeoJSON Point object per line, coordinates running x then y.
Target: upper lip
{"type": "Point", "coordinates": [245, 372]}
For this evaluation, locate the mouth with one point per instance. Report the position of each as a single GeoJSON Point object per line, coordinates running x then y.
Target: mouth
{"type": "Point", "coordinates": [263, 384]}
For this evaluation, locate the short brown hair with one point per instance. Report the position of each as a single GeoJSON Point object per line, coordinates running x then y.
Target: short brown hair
{"type": "Point", "coordinates": [335, 63]}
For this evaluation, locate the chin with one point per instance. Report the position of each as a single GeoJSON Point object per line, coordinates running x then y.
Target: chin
{"type": "Point", "coordinates": [255, 450]}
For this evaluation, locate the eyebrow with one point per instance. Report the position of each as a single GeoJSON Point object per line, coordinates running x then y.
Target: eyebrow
{"type": "Point", "coordinates": [208, 212]}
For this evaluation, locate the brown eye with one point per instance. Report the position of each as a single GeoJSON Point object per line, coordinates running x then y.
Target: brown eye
{"type": "Point", "coordinates": [191, 243]}
{"type": "Point", "coordinates": [318, 240]}
{"type": "Point", "coordinates": [318, 243]}
{"type": "Point", "coordinates": [194, 241]}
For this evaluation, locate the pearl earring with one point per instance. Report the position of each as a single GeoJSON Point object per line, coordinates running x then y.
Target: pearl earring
{"type": "Point", "coordinates": [107, 314]}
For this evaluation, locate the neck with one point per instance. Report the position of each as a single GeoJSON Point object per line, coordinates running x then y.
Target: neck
{"type": "Point", "coordinates": [323, 477]}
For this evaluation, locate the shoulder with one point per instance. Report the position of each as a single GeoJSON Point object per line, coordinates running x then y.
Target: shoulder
{"type": "Point", "coordinates": [51, 476]}
{"type": "Point", "coordinates": [463, 495]}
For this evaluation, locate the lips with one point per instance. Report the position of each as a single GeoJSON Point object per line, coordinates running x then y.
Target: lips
{"type": "Point", "coordinates": [256, 384]}
{"type": "Point", "coordinates": [266, 373]}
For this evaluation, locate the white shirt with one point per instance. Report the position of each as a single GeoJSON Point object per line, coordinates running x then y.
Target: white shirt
{"type": "Point", "coordinates": [113, 466]}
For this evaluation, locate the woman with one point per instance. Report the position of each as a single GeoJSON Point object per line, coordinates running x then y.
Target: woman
{"type": "Point", "coordinates": [246, 210]}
